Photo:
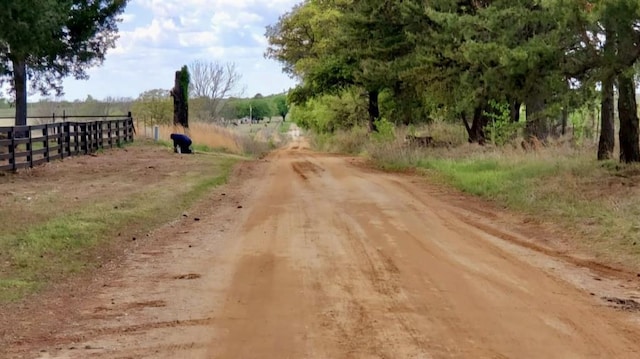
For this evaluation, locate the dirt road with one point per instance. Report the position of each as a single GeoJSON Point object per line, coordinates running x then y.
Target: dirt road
{"type": "Point", "coordinates": [312, 256]}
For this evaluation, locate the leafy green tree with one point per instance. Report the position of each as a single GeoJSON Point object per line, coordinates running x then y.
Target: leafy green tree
{"type": "Point", "coordinates": [281, 106]}
{"type": "Point", "coordinates": [257, 109]}
{"type": "Point", "coordinates": [154, 107]}
{"type": "Point", "coordinates": [47, 40]}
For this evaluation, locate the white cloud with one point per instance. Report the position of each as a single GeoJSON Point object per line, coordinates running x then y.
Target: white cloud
{"type": "Point", "coordinates": [157, 37]}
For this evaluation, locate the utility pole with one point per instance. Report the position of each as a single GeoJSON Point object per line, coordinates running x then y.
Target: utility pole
{"type": "Point", "coordinates": [250, 113]}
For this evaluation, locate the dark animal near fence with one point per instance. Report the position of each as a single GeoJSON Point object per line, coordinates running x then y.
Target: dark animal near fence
{"type": "Point", "coordinates": [29, 146]}
{"type": "Point", "coordinates": [424, 141]}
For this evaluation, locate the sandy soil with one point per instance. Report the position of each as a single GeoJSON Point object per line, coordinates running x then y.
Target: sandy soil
{"type": "Point", "coordinates": [307, 255]}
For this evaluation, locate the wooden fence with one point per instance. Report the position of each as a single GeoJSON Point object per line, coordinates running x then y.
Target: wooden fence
{"type": "Point", "coordinates": [29, 146]}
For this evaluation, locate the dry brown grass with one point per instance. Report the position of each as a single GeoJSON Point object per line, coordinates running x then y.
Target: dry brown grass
{"type": "Point", "coordinates": [202, 134]}
{"type": "Point", "coordinates": [206, 136]}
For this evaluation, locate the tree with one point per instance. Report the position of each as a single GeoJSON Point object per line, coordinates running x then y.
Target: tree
{"type": "Point", "coordinates": [180, 94]}
{"type": "Point", "coordinates": [153, 106]}
{"type": "Point", "coordinates": [44, 41]}
{"type": "Point", "coordinates": [212, 82]}
{"type": "Point", "coordinates": [304, 41]}
{"type": "Point", "coordinates": [281, 105]}
{"type": "Point", "coordinates": [257, 109]}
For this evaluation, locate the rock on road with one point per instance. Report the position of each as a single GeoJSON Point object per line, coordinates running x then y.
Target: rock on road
{"type": "Point", "coordinates": [327, 259]}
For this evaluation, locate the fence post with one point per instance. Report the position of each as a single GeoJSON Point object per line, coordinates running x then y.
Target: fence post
{"type": "Point", "coordinates": [65, 129]}
{"type": "Point", "coordinates": [109, 125]}
{"type": "Point", "coordinates": [30, 148]}
{"type": "Point", "coordinates": [12, 149]}
{"type": "Point", "coordinates": [76, 134]}
{"type": "Point", "coordinates": [45, 134]}
{"type": "Point", "coordinates": [118, 131]}
{"type": "Point", "coordinates": [132, 130]}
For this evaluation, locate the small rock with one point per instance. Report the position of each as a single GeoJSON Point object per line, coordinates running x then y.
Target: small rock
{"type": "Point", "coordinates": [196, 219]}
{"type": "Point", "coordinates": [592, 293]}
{"type": "Point", "coordinates": [185, 215]}
{"type": "Point", "coordinates": [239, 206]}
{"type": "Point", "coordinates": [190, 246]}
{"type": "Point", "coordinates": [133, 239]}
{"type": "Point", "coordinates": [115, 207]}
{"type": "Point", "coordinates": [224, 194]}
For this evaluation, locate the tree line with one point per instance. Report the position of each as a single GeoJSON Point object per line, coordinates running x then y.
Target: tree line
{"type": "Point", "coordinates": [467, 61]}
{"type": "Point", "coordinates": [156, 107]}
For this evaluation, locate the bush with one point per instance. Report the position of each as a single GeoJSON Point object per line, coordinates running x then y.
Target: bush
{"type": "Point", "coordinates": [386, 131]}
{"type": "Point", "coordinates": [501, 130]}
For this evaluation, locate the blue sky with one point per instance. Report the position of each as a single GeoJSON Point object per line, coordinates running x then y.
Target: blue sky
{"type": "Point", "coordinates": [157, 37]}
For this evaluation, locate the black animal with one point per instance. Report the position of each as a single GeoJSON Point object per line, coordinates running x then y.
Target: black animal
{"type": "Point", "coordinates": [418, 141]}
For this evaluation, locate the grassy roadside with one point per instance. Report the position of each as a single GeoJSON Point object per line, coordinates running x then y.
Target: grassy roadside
{"type": "Point", "coordinates": [71, 240]}
{"type": "Point", "coordinates": [597, 203]}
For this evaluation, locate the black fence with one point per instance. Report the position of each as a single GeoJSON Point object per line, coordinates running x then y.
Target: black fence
{"type": "Point", "coordinates": [29, 146]}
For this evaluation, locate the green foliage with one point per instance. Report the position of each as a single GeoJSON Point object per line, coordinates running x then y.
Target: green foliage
{"type": "Point", "coordinates": [185, 80]}
{"type": "Point", "coordinates": [281, 105]}
{"type": "Point", "coordinates": [501, 130]}
{"type": "Point", "coordinates": [153, 107]}
{"type": "Point", "coordinates": [284, 127]}
{"type": "Point", "coordinates": [449, 60]}
{"type": "Point", "coordinates": [386, 131]}
{"type": "Point", "coordinates": [329, 113]}
{"type": "Point", "coordinates": [257, 109]}
{"type": "Point", "coordinates": [53, 39]}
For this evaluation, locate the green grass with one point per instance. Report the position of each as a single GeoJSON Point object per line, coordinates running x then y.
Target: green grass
{"type": "Point", "coordinates": [68, 243]}
{"type": "Point", "coordinates": [570, 191]}
{"type": "Point", "coordinates": [284, 127]}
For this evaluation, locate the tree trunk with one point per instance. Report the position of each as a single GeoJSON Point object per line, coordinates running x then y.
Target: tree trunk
{"type": "Point", "coordinates": [374, 110]}
{"type": "Point", "coordinates": [627, 111]}
{"type": "Point", "coordinates": [475, 131]}
{"type": "Point", "coordinates": [565, 119]}
{"type": "Point", "coordinates": [537, 123]}
{"type": "Point", "coordinates": [180, 105]}
{"type": "Point", "coordinates": [20, 87]}
{"type": "Point", "coordinates": [607, 130]}
{"type": "Point", "coordinates": [514, 110]}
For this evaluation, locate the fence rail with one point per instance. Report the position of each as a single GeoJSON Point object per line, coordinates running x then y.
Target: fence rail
{"type": "Point", "coordinates": [29, 146]}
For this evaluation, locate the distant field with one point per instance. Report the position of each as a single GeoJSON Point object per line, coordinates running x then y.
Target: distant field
{"type": "Point", "coordinates": [6, 112]}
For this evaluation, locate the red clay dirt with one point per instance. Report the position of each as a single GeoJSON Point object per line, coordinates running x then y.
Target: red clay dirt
{"type": "Point", "coordinates": [308, 255]}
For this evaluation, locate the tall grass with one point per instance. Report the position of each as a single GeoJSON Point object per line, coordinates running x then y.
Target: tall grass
{"type": "Point", "coordinates": [211, 137]}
